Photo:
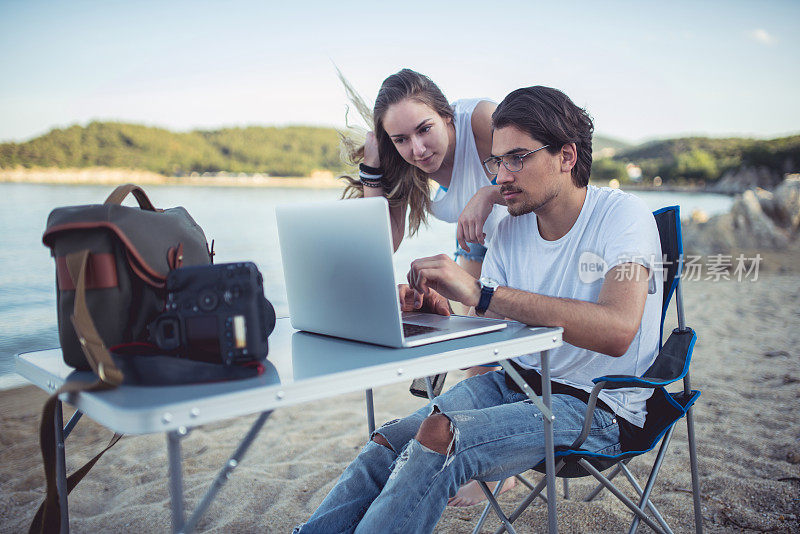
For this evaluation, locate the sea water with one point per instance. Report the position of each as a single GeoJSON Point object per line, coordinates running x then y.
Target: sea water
{"type": "Point", "coordinates": [240, 220]}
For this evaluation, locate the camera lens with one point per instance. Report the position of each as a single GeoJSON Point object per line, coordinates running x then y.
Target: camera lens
{"type": "Point", "coordinates": [207, 300]}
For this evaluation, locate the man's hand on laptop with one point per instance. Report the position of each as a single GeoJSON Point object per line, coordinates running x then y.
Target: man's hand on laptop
{"type": "Point", "coordinates": [443, 276]}
{"type": "Point", "coordinates": [432, 302]}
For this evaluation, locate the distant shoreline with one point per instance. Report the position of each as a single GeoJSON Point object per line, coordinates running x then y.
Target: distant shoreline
{"type": "Point", "coordinates": [321, 180]}
{"type": "Point", "coordinates": [115, 176]}
{"type": "Point", "coordinates": [664, 188]}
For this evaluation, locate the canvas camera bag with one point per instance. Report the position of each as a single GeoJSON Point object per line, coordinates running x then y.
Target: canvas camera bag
{"type": "Point", "coordinates": [111, 267]}
{"type": "Point", "coordinates": [120, 257]}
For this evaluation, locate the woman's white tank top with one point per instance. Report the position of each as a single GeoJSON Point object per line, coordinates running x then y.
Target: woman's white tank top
{"type": "Point", "coordinates": [468, 174]}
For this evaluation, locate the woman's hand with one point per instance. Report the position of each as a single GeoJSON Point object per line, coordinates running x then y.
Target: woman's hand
{"type": "Point", "coordinates": [371, 155]}
{"type": "Point", "coordinates": [475, 213]}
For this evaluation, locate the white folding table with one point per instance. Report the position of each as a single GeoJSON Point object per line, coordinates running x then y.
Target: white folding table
{"type": "Point", "coordinates": [301, 367]}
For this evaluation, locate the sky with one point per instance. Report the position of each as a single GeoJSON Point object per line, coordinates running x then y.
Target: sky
{"type": "Point", "coordinates": [643, 70]}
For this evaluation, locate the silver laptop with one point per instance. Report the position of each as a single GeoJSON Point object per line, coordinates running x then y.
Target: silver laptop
{"type": "Point", "coordinates": [337, 262]}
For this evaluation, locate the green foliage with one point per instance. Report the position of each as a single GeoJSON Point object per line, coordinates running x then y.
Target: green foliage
{"type": "Point", "coordinates": [287, 151]}
{"type": "Point", "coordinates": [601, 142]}
{"type": "Point", "coordinates": [291, 151]}
{"type": "Point", "coordinates": [299, 150]}
{"type": "Point", "coordinates": [706, 159]}
{"type": "Point", "coordinates": [781, 155]}
{"type": "Point", "coordinates": [609, 169]}
{"type": "Point", "coordinates": [696, 165]}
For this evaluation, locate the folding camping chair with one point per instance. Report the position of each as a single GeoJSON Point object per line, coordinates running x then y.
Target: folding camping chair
{"type": "Point", "coordinates": [663, 410]}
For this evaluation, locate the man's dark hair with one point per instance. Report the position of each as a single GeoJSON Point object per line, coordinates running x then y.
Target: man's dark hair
{"type": "Point", "coordinates": [549, 116]}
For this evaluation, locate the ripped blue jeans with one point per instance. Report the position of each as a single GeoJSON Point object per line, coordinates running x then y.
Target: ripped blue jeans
{"type": "Point", "coordinates": [497, 433]}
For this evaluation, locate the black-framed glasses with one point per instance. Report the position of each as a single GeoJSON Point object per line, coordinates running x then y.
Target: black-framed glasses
{"type": "Point", "coordinates": [512, 162]}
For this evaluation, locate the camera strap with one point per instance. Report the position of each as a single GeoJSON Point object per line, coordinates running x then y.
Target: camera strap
{"type": "Point", "coordinates": [48, 516]}
{"type": "Point", "coordinates": [144, 364]}
{"type": "Point", "coordinates": [111, 266]}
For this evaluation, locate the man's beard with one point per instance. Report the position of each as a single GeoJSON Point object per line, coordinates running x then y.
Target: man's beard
{"type": "Point", "coordinates": [525, 205]}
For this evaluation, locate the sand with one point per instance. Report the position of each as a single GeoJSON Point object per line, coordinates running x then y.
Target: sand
{"type": "Point", "coordinates": [746, 362]}
{"type": "Point", "coordinates": [116, 176]}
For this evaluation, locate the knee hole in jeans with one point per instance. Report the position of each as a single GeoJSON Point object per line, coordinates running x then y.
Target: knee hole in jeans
{"type": "Point", "coordinates": [380, 440]}
{"type": "Point", "coordinates": [435, 433]}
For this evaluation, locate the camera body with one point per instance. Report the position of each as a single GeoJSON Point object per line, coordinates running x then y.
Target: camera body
{"type": "Point", "coordinates": [215, 314]}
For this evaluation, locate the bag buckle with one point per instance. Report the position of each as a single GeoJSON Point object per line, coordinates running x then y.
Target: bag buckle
{"type": "Point", "coordinates": [101, 372]}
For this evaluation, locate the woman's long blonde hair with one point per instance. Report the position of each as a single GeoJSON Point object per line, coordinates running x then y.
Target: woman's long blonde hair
{"type": "Point", "coordinates": [404, 185]}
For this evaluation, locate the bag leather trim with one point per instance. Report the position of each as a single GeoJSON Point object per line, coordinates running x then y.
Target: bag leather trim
{"type": "Point", "coordinates": [142, 264]}
{"type": "Point", "coordinates": [101, 272]}
{"type": "Point", "coordinates": [118, 195]}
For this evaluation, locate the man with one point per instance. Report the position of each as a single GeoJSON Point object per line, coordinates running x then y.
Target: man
{"type": "Point", "coordinates": [570, 255]}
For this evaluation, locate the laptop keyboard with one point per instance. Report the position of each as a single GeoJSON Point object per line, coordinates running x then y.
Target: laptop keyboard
{"type": "Point", "coordinates": [416, 329]}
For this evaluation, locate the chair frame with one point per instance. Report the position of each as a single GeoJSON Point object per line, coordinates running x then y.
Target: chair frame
{"type": "Point", "coordinates": [659, 525]}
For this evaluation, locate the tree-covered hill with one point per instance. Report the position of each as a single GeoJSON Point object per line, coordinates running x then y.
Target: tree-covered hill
{"type": "Point", "coordinates": [701, 159]}
{"type": "Point", "coordinates": [285, 151]}
{"type": "Point", "coordinates": [300, 150]}
{"type": "Point", "coordinates": [692, 159]}
{"type": "Point", "coordinates": [601, 144]}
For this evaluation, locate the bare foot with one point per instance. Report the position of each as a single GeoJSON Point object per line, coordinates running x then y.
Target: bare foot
{"type": "Point", "coordinates": [471, 493]}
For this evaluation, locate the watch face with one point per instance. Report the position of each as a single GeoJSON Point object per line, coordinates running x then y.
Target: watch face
{"type": "Point", "coordinates": [485, 281]}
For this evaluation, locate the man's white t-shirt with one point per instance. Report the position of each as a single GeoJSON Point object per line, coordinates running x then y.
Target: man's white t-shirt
{"type": "Point", "coordinates": [613, 228]}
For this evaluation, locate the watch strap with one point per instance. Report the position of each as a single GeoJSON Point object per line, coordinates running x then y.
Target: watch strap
{"type": "Point", "coordinates": [486, 296]}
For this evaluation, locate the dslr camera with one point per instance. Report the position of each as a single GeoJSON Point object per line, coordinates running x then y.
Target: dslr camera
{"type": "Point", "coordinates": [216, 314]}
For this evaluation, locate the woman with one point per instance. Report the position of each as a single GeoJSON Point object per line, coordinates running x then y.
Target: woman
{"type": "Point", "coordinates": [418, 136]}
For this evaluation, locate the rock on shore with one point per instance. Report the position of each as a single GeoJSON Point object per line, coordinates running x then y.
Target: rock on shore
{"type": "Point", "coordinates": [758, 220]}
{"type": "Point", "coordinates": [743, 178]}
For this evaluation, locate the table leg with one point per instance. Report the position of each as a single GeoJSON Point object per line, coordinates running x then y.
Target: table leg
{"type": "Point", "coordinates": [226, 472]}
{"type": "Point", "coordinates": [549, 451]}
{"type": "Point", "coordinates": [370, 414]}
{"type": "Point", "coordinates": [544, 404]}
{"type": "Point", "coordinates": [176, 478]}
{"type": "Point", "coordinates": [71, 423]}
{"type": "Point", "coordinates": [429, 387]}
{"type": "Point", "coordinates": [61, 467]}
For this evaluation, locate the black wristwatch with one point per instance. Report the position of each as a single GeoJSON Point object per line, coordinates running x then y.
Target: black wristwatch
{"type": "Point", "coordinates": [487, 290]}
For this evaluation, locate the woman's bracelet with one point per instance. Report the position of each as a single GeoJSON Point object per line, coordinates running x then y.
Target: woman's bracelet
{"type": "Point", "coordinates": [370, 176]}
{"type": "Point", "coordinates": [370, 180]}
{"type": "Point", "coordinates": [363, 167]}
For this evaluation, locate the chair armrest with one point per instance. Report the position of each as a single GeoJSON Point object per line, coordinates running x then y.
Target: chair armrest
{"type": "Point", "coordinates": [671, 364]}
{"type": "Point", "coordinates": [626, 381]}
